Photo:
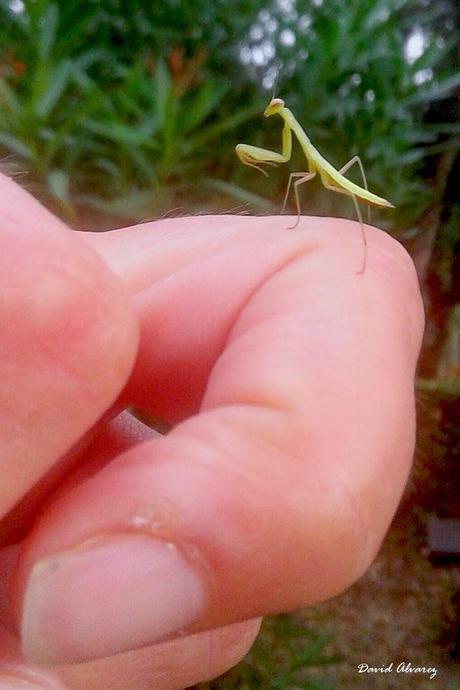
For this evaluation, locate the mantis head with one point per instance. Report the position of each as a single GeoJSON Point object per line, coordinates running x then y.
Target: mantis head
{"type": "Point", "coordinates": [275, 105]}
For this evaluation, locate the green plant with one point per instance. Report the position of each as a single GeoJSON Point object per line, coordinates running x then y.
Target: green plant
{"type": "Point", "coordinates": [94, 97]}
{"type": "Point", "coordinates": [160, 129]}
{"type": "Point", "coordinates": [281, 659]}
{"type": "Point", "coordinates": [360, 79]}
{"type": "Point", "coordinates": [97, 126]}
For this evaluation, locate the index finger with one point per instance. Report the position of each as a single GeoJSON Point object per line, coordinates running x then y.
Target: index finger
{"type": "Point", "coordinates": [278, 493]}
{"type": "Point", "coordinates": [63, 318]}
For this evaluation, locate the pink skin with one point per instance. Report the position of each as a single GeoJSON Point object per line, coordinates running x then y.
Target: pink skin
{"type": "Point", "coordinates": [290, 381]}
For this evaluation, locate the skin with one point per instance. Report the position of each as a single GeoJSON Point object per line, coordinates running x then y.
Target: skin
{"type": "Point", "coordinates": [289, 380]}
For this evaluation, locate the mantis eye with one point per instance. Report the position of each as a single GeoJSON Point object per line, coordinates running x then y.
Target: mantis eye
{"type": "Point", "coordinates": [276, 102]}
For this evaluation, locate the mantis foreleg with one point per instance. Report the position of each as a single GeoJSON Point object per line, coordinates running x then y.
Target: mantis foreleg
{"type": "Point", "coordinates": [254, 155]}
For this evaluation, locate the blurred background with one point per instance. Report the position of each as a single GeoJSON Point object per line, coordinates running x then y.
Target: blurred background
{"type": "Point", "coordinates": [117, 111]}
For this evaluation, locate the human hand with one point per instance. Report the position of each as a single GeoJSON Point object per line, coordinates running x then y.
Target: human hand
{"type": "Point", "coordinates": [290, 381]}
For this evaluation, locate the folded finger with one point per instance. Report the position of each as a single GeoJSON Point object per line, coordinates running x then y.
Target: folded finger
{"type": "Point", "coordinates": [67, 345]}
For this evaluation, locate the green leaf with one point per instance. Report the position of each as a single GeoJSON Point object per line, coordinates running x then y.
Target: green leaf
{"type": "Point", "coordinates": [162, 84]}
{"type": "Point", "coordinates": [201, 105]}
{"type": "Point", "coordinates": [439, 90]}
{"type": "Point", "coordinates": [90, 57]}
{"type": "Point", "coordinates": [58, 184]}
{"type": "Point", "coordinates": [238, 193]}
{"type": "Point", "coordinates": [47, 28]}
{"type": "Point", "coordinates": [213, 131]}
{"type": "Point", "coordinates": [116, 132]}
{"type": "Point", "coordinates": [8, 97]}
{"type": "Point", "coordinates": [443, 128]}
{"type": "Point", "coordinates": [108, 166]}
{"type": "Point", "coordinates": [57, 85]}
{"type": "Point", "coordinates": [16, 146]}
{"type": "Point", "coordinates": [130, 206]}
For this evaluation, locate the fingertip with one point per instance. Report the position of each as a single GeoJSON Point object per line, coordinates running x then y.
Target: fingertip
{"type": "Point", "coordinates": [70, 343]}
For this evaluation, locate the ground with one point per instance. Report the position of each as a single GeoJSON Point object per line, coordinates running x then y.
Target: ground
{"type": "Point", "coordinates": [406, 608]}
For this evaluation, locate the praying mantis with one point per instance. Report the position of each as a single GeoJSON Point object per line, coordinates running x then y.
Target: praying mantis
{"type": "Point", "coordinates": [330, 177]}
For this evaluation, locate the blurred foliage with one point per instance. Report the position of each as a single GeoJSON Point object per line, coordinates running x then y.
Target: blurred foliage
{"type": "Point", "coordinates": [98, 124]}
{"type": "Point", "coordinates": [286, 656]}
{"type": "Point", "coordinates": [129, 28]}
{"type": "Point", "coordinates": [357, 88]}
{"type": "Point", "coordinates": [134, 108]}
{"type": "Point", "coordinates": [448, 247]}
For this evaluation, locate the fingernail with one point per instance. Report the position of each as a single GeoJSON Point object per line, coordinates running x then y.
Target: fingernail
{"type": "Point", "coordinates": [106, 597]}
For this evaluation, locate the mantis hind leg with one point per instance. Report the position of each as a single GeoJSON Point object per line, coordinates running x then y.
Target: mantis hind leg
{"type": "Point", "coordinates": [303, 177]}
{"type": "Point", "coordinates": [340, 190]}
{"type": "Point", "coordinates": [347, 166]}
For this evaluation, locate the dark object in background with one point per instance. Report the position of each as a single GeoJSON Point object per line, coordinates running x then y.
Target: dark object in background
{"type": "Point", "coordinates": [444, 549]}
{"type": "Point", "coordinates": [444, 540]}
{"type": "Point", "coordinates": [455, 653]}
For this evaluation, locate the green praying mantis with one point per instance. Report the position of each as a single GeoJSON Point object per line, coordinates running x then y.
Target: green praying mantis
{"type": "Point", "coordinates": [330, 177]}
